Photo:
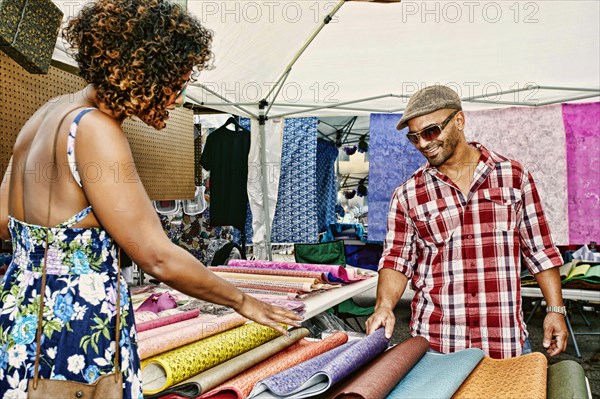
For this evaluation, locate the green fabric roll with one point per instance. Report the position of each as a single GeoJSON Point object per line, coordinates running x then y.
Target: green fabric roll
{"type": "Point", "coordinates": [566, 380]}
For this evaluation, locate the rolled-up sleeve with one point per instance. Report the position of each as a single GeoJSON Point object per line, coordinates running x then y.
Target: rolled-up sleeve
{"type": "Point", "coordinates": [539, 251]}
{"type": "Point", "coordinates": [399, 250]}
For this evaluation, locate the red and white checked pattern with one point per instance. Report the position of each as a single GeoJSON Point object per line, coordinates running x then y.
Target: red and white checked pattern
{"type": "Point", "coordinates": [463, 254]}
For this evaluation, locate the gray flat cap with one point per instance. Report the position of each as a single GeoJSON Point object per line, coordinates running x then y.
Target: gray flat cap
{"type": "Point", "coordinates": [427, 100]}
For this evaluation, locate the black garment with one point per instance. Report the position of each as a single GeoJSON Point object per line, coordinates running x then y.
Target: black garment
{"type": "Point", "coordinates": [225, 155]}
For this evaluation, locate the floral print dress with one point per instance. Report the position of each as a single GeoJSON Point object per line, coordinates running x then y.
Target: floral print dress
{"type": "Point", "coordinates": [78, 340]}
{"type": "Point", "coordinates": [79, 318]}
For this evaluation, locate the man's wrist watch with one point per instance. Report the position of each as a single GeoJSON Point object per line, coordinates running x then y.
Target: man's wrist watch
{"type": "Point", "coordinates": [557, 309]}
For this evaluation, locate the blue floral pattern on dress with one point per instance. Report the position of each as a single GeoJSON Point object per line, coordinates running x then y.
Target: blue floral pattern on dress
{"type": "Point", "coordinates": [78, 329]}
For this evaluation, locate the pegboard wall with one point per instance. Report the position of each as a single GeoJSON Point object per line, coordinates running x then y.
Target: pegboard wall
{"type": "Point", "coordinates": [164, 159]}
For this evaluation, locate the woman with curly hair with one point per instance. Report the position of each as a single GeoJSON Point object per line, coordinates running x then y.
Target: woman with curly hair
{"type": "Point", "coordinates": [137, 56]}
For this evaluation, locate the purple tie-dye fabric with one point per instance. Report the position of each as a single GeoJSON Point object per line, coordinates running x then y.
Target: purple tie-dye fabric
{"type": "Point", "coordinates": [392, 160]}
{"type": "Point", "coordinates": [582, 129]}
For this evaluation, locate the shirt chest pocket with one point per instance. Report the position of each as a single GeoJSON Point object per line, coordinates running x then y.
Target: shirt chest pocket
{"type": "Point", "coordinates": [499, 207]}
{"type": "Point", "coordinates": [435, 221]}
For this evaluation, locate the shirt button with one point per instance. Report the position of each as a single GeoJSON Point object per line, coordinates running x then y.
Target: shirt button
{"type": "Point", "coordinates": [470, 236]}
{"type": "Point", "coordinates": [473, 294]}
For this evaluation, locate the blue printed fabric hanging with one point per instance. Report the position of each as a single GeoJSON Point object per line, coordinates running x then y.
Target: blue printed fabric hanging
{"type": "Point", "coordinates": [392, 160]}
{"type": "Point", "coordinates": [327, 153]}
{"type": "Point", "coordinates": [296, 211]}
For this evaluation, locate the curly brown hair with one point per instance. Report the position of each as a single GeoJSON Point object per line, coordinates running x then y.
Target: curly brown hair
{"type": "Point", "coordinates": [135, 53]}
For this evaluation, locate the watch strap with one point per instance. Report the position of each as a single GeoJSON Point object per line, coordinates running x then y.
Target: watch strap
{"type": "Point", "coordinates": [557, 309]}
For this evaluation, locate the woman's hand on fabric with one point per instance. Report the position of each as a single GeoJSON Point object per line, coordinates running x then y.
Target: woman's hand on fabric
{"type": "Point", "coordinates": [268, 315]}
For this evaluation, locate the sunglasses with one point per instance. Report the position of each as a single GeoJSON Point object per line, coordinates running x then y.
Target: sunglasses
{"type": "Point", "coordinates": [430, 132]}
{"type": "Point", "coordinates": [183, 89]}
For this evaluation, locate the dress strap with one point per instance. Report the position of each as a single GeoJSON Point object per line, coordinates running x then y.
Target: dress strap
{"type": "Point", "coordinates": [71, 145]}
{"type": "Point", "coordinates": [75, 218]}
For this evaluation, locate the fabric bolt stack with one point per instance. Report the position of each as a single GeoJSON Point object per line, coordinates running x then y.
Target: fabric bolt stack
{"type": "Point", "coordinates": [167, 369]}
{"type": "Point", "coordinates": [316, 375]}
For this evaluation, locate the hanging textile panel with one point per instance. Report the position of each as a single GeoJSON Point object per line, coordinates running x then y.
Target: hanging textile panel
{"type": "Point", "coordinates": [295, 218]}
{"type": "Point", "coordinates": [255, 223]}
{"type": "Point", "coordinates": [327, 153]}
{"type": "Point", "coordinates": [437, 375]}
{"type": "Point", "coordinates": [582, 127]}
{"type": "Point", "coordinates": [163, 371]}
{"type": "Point", "coordinates": [507, 378]}
{"type": "Point", "coordinates": [392, 160]}
{"type": "Point", "coordinates": [535, 137]}
{"type": "Point", "coordinates": [207, 380]}
{"type": "Point", "coordinates": [316, 375]}
{"type": "Point", "coordinates": [303, 350]}
{"type": "Point", "coordinates": [377, 379]}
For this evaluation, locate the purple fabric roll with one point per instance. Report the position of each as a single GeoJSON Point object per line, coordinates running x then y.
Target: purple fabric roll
{"type": "Point", "coordinates": [338, 272]}
{"type": "Point", "coordinates": [582, 124]}
{"type": "Point", "coordinates": [316, 375]}
{"type": "Point", "coordinates": [166, 320]}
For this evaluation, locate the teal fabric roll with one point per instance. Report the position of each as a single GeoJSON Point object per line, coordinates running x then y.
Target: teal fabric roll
{"type": "Point", "coordinates": [566, 380]}
{"type": "Point", "coordinates": [437, 375]}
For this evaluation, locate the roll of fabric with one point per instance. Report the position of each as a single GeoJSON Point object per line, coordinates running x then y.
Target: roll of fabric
{"type": "Point", "coordinates": [316, 375]}
{"type": "Point", "coordinates": [270, 272]}
{"type": "Point", "coordinates": [507, 378]}
{"type": "Point", "coordinates": [336, 273]}
{"type": "Point", "coordinates": [566, 379]}
{"type": "Point", "coordinates": [201, 318]}
{"type": "Point", "coordinates": [164, 321]}
{"type": "Point", "coordinates": [207, 380]}
{"type": "Point", "coordinates": [437, 375]}
{"type": "Point", "coordinates": [241, 386]}
{"type": "Point", "coordinates": [167, 369]}
{"type": "Point", "coordinates": [303, 283]}
{"type": "Point", "coordinates": [377, 379]}
{"type": "Point", "coordinates": [174, 335]}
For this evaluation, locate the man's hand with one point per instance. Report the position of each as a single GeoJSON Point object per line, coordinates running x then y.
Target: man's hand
{"type": "Point", "coordinates": [382, 317]}
{"type": "Point", "coordinates": [555, 333]}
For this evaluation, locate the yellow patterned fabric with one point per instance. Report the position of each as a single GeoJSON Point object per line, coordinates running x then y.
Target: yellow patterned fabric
{"type": "Point", "coordinates": [517, 377]}
{"type": "Point", "coordinates": [167, 369]}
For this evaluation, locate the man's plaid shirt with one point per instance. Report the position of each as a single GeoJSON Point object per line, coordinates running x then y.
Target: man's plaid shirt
{"type": "Point", "coordinates": [463, 254]}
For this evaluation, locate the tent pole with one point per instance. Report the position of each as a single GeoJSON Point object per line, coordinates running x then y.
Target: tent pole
{"type": "Point", "coordinates": [564, 100]}
{"type": "Point", "coordinates": [312, 37]}
{"type": "Point", "coordinates": [336, 105]}
{"type": "Point", "coordinates": [221, 97]}
{"type": "Point", "coordinates": [278, 90]}
{"type": "Point", "coordinates": [264, 179]}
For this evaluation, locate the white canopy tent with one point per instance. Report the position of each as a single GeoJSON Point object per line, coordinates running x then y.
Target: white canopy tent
{"type": "Point", "coordinates": [322, 58]}
{"type": "Point", "coordinates": [370, 57]}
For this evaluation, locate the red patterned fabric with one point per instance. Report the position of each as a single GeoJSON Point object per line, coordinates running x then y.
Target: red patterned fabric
{"type": "Point", "coordinates": [463, 254]}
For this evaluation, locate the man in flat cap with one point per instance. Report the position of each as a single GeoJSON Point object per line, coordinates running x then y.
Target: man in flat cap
{"type": "Point", "coordinates": [457, 230]}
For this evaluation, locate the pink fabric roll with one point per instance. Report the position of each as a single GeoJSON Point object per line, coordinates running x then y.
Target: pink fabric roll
{"type": "Point", "coordinates": [271, 272]}
{"type": "Point", "coordinates": [174, 335]}
{"type": "Point", "coordinates": [164, 321]}
{"type": "Point", "coordinates": [338, 272]}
